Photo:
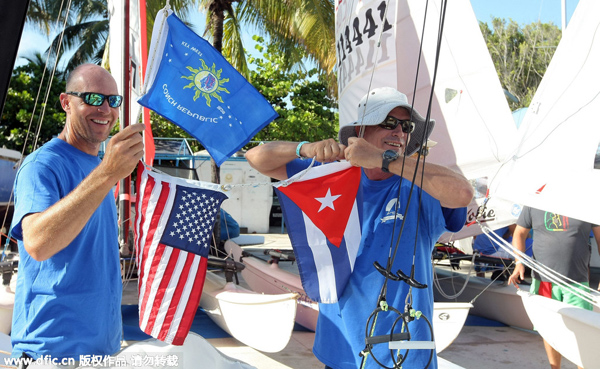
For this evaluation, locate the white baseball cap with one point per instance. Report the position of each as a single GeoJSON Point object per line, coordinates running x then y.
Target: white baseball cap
{"type": "Point", "coordinates": [375, 106]}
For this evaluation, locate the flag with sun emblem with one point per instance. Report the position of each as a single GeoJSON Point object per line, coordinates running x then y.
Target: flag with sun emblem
{"type": "Point", "coordinates": [322, 209]}
{"type": "Point", "coordinates": [192, 85]}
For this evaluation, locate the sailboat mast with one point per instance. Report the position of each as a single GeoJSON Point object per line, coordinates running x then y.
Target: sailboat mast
{"type": "Point", "coordinates": [125, 183]}
{"type": "Point", "coordinates": [563, 12]}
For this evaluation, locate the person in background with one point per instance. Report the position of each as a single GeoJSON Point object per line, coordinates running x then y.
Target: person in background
{"type": "Point", "coordinates": [68, 295]}
{"type": "Point", "coordinates": [561, 244]}
{"type": "Point", "coordinates": [388, 124]}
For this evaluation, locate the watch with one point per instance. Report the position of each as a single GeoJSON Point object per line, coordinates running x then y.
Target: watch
{"type": "Point", "coordinates": [388, 157]}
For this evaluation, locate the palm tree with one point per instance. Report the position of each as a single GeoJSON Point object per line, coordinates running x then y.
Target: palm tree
{"type": "Point", "coordinates": [297, 27]}
{"type": "Point", "coordinates": [86, 26]}
{"type": "Point", "coordinates": [307, 30]}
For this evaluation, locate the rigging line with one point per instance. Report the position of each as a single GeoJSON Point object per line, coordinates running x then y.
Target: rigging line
{"type": "Point", "coordinates": [41, 116]}
{"type": "Point", "coordinates": [362, 128]}
{"type": "Point", "coordinates": [424, 137]}
{"type": "Point", "coordinates": [390, 262]}
{"type": "Point", "coordinates": [58, 47]}
{"type": "Point", "coordinates": [436, 282]}
{"type": "Point", "coordinates": [392, 254]}
{"type": "Point", "coordinates": [585, 292]}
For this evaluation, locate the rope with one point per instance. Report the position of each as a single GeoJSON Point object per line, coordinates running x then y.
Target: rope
{"type": "Point", "coordinates": [585, 292]}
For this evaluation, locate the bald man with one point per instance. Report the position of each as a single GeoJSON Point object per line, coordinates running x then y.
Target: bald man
{"type": "Point", "coordinates": [68, 295]}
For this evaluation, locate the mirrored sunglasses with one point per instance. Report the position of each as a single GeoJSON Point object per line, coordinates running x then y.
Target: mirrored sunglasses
{"type": "Point", "coordinates": [96, 99]}
{"type": "Point", "coordinates": [391, 123]}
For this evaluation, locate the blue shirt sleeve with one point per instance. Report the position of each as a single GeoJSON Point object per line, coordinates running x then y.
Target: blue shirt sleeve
{"type": "Point", "coordinates": [455, 218]}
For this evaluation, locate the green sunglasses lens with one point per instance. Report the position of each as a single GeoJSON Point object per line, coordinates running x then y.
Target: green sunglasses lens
{"type": "Point", "coordinates": [94, 99]}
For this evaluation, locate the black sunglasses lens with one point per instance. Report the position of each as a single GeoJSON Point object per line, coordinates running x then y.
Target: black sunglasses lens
{"type": "Point", "coordinates": [389, 123]}
{"type": "Point", "coordinates": [114, 101]}
{"type": "Point", "coordinates": [407, 126]}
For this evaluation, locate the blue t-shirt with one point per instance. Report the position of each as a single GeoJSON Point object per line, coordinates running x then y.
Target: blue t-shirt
{"type": "Point", "coordinates": [340, 333]}
{"type": "Point", "coordinates": [69, 304]}
{"type": "Point", "coordinates": [484, 245]}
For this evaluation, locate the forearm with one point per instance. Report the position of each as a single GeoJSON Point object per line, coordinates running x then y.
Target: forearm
{"type": "Point", "coordinates": [271, 158]}
{"type": "Point", "coordinates": [519, 239]}
{"type": "Point", "coordinates": [446, 185]}
{"type": "Point", "coordinates": [48, 232]}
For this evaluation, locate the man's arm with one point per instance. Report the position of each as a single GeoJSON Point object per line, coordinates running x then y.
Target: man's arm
{"type": "Point", "coordinates": [271, 158]}
{"type": "Point", "coordinates": [449, 187]}
{"type": "Point", "coordinates": [48, 232]}
{"type": "Point", "coordinates": [518, 242]}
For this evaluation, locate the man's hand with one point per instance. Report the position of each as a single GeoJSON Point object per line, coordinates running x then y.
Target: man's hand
{"type": "Point", "coordinates": [517, 275]}
{"type": "Point", "coordinates": [361, 153]}
{"type": "Point", "coordinates": [123, 152]}
{"type": "Point", "coordinates": [325, 151]}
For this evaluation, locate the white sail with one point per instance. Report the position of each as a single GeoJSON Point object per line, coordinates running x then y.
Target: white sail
{"type": "Point", "coordinates": [474, 127]}
{"type": "Point", "coordinates": [556, 166]}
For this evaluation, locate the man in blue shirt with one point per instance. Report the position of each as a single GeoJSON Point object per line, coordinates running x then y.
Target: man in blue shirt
{"type": "Point", "coordinates": [68, 295]}
{"type": "Point", "coordinates": [375, 143]}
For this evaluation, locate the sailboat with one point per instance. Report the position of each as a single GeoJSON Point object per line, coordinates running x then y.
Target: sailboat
{"type": "Point", "coordinates": [556, 168]}
{"type": "Point", "coordinates": [268, 277]}
{"type": "Point", "coordinates": [467, 99]}
{"type": "Point", "coordinates": [474, 128]}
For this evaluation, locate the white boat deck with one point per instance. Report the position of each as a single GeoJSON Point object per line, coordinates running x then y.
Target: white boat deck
{"type": "Point", "coordinates": [488, 346]}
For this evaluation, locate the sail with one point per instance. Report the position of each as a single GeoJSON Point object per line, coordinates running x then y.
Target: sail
{"type": "Point", "coordinates": [12, 20]}
{"type": "Point", "coordinates": [474, 127]}
{"type": "Point", "coordinates": [556, 164]}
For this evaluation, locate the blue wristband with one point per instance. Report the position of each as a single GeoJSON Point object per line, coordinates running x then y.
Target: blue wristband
{"type": "Point", "coordinates": [298, 149]}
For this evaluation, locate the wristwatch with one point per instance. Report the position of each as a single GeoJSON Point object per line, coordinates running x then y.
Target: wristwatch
{"type": "Point", "coordinates": [388, 157]}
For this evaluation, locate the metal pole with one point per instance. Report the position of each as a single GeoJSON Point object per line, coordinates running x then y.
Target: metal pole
{"type": "Point", "coordinates": [563, 8]}
{"type": "Point", "coordinates": [125, 183]}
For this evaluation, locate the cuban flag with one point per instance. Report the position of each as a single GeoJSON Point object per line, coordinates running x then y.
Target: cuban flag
{"type": "Point", "coordinates": [322, 208]}
{"type": "Point", "coordinates": [192, 85]}
{"type": "Point", "coordinates": [173, 228]}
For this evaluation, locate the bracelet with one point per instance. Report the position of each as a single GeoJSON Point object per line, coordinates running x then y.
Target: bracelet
{"type": "Point", "coordinates": [298, 149]}
{"type": "Point", "coordinates": [518, 262]}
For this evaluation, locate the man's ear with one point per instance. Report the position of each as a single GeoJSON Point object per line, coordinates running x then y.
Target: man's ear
{"type": "Point", "coordinates": [64, 101]}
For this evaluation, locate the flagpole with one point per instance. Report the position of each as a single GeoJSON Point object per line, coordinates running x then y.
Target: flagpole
{"type": "Point", "coordinates": [125, 183]}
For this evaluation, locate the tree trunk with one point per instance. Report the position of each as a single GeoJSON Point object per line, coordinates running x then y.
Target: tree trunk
{"type": "Point", "coordinates": [218, 18]}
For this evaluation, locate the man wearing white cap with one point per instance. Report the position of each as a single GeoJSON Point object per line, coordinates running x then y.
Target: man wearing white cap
{"type": "Point", "coordinates": [387, 127]}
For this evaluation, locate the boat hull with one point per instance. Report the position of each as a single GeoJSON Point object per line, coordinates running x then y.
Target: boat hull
{"type": "Point", "coordinates": [447, 321]}
{"type": "Point", "coordinates": [263, 322]}
{"type": "Point", "coordinates": [270, 278]}
{"type": "Point", "coordinates": [497, 301]}
{"type": "Point", "coordinates": [571, 330]}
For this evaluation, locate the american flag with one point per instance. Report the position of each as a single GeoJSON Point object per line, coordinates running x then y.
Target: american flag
{"type": "Point", "coordinates": [173, 227]}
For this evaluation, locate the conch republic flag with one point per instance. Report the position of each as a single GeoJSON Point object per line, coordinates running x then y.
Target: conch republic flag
{"type": "Point", "coordinates": [198, 90]}
{"type": "Point", "coordinates": [322, 208]}
{"type": "Point", "coordinates": [173, 230]}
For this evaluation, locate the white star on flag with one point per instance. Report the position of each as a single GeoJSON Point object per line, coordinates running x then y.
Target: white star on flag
{"type": "Point", "coordinates": [327, 201]}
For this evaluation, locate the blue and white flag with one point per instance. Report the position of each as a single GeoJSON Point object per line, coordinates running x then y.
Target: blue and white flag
{"type": "Point", "coordinates": [322, 209]}
{"type": "Point", "coordinates": [196, 88]}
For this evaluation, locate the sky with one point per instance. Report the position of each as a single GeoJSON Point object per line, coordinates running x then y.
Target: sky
{"type": "Point", "coordinates": [521, 11]}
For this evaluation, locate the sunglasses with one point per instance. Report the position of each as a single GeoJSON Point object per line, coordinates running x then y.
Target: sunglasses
{"type": "Point", "coordinates": [391, 123]}
{"type": "Point", "coordinates": [96, 99]}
